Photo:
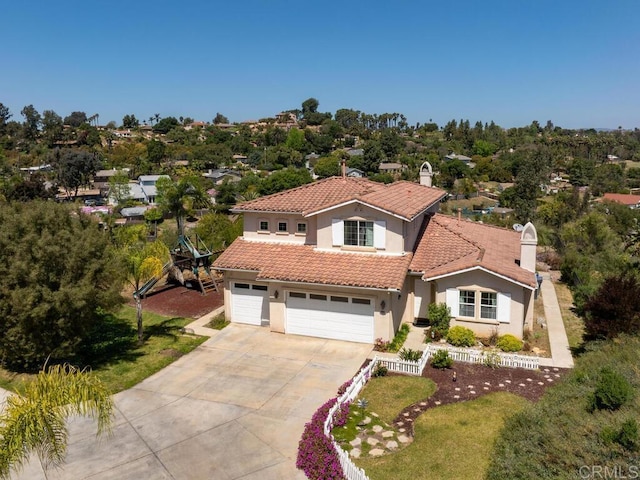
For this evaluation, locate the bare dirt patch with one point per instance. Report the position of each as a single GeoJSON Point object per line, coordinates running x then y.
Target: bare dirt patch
{"type": "Point", "coordinates": [180, 301]}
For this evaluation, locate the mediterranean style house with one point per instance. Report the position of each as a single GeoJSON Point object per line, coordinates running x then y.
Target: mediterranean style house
{"type": "Point", "coordinates": [351, 259]}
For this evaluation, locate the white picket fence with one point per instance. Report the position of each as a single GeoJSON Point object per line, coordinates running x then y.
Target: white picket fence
{"type": "Point", "coordinates": [350, 470]}
{"type": "Point", "coordinates": [470, 355]}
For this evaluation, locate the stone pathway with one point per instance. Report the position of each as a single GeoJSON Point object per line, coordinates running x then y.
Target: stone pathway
{"type": "Point", "coordinates": [375, 439]}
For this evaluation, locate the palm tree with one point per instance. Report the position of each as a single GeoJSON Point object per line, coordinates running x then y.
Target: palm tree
{"type": "Point", "coordinates": [144, 263]}
{"type": "Point", "coordinates": [181, 198]}
{"type": "Point", "coordinates": [35, 420]}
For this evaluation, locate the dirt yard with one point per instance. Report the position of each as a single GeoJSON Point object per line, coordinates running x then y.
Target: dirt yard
{"type": "Point", "coordinates": [180, 301]}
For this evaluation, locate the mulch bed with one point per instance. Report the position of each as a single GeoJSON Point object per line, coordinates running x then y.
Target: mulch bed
{"type": "Point", "coordinates": [180, 301]}
{"type": "Point", "coordinates": [473, 381]}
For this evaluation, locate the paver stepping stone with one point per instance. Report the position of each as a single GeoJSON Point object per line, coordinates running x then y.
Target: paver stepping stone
{"type": "Point", "coordinates": [377, 428]}
{"type": "Point", "coordinates": [400, 424]}
{"type": "Point", "coordinates": [540, 383]}
{"type": "Point", "coordinates": [406, 414]}
{"type": "Point", "coordinates": [529, 380]}
{"type": "Point", "coordinates": [417, 410]}
{"type": "Point", "coordinates": [424, 404]}
{"type": "Point", "coordinates": [437, 402]}
{"type": "Point", "coordinates": [507, 381]}
{"type": "Point", "coordinates": [356, 442]}
{"type": "Point", "coordinates": [376, 452]}
{"type": "Point", "coordinates": [403, 439]}
{"type": "Point", "coordinates": [457, 389]}
{"type": "Point", "coordinates": [473, 392]}
{"type": "Point", "coordinates": [367, 421]}
{"type": "Point", "coordinates": [387, 434]}
{"type": "Point", "coordinates": [392, 445]}
{"type": "Point", "coordinates": [373, 414]}
{"type": "Point", "coordinates": [555, 369]}
{"type": "Point", "coordinates": [546, 370]}
{"type": "Point", "coordinates": [373, 441]}
{"type": "Point", "coordinates": [456, 396]}
{"type": "Point", "coordinates": [470, 386]}
{"type": "Point", "coordinates": [547, 376]}
{"type": "Point", "coordinates": [402, 430]}
{"type": "Point", "coordinates": [355, 453]}
{"type": "Point", "coordinates": [549, 379]}
{"type": "Point", "coordinates": [521, 385]}
{"type": "Point", "coordinates": [486, 388]}
{"type": "Point", "coordinates": [487, 383]}
{"type": "Point", "coordinates": [501, 384]}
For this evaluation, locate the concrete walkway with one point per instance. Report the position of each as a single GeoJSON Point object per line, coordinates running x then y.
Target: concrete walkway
{"type": "Point", "coordinates": [560, 353]}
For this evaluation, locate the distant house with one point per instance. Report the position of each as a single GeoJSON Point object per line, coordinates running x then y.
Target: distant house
{"type": "Point", "coordinates": [355, 152]}
{"type": "Point", "coordinates": [134, 214]}
{"type": "Point", "coordinates": [355, 173]}
{"type": "Point", "coordinates": [219, 175]}
{"type": "Point", "coordinates": [101, 178]}
{"type": "Point", "coordinates": [463, 158]}
{"type": "Point", "coordinates": [148, 185]}
{"type": "Point", "coordinates": [392, 168]}
{"type": "Point", "coordinates": [194, 125]}
{"type": "Point", "coordinates": [631, 201]}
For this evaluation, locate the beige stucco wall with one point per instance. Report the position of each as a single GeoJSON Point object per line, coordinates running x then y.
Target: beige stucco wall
{"type": "Point", "coordinates": [252, 222]}
{"type": "Point", "coordinates": [394, 242]}
{"type": "Point", "coordinates": [521, 302]}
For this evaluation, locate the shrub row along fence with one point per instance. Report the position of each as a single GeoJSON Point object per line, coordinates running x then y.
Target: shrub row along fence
{"type": "Point", "coordinates": [353, 472]}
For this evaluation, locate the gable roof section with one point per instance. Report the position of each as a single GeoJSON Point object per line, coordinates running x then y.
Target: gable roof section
{"type": "Point", "coordinates": [404, 199]}
{"type": "Point", "coordinates": [449, 245]}
{"type": "Point", "coordinates": [304, 264]}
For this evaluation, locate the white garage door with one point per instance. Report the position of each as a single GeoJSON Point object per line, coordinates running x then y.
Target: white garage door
{"type": "Point", "coordinates": [330, 316]}
{"type": "Point", "coordinates": [250, 303]}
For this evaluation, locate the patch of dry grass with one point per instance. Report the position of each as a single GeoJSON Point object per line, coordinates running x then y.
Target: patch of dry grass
{"type": "Point", "coordinates": [573, 324]}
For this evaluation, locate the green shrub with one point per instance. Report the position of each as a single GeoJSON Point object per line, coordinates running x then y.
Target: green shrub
{"type": "Point", "coordinates": [441, 359]}
{"type": "Point", "coordinates": [399, 338]}
{"type": "Point", "coordinates": [612, 391]}
{"type": "Point", "coordinates": [509, 343]}
{"type": "Point", "coordinates": [410, 355]}
{"type": "Point", "coordinates": [491, 360]}
{"type": "Point", "coordinates": [439, 318]}
{"type": "Point", "coordinates": [625, 436]}
{"type": "Point", "coordinates": [380, 371]}
{"type": "Point", "coordinates": [461, 337]}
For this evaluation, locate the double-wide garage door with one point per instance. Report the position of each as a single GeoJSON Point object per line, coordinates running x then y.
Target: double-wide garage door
{"type": "Point", "coordinates": [330, 316]}
{"type": "Point", "coordinates": [250, 303]}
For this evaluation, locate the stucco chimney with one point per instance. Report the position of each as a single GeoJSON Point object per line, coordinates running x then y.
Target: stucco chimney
{"type": "Point", "coordinates": [426, 174]}
{"type": "Point", "coordinates": [528, 244]}
{"type": "Point", "coordinates": [343, 166]}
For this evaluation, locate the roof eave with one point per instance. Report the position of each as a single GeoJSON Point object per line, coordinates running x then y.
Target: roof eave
{"type": "Point", "coordinates": [484, 269]}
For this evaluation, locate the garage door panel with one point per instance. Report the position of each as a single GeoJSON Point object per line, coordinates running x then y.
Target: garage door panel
{"type": "Point", "coordinates": [250, 304]}
{"type": "Point", "coordinates": [330, 319]}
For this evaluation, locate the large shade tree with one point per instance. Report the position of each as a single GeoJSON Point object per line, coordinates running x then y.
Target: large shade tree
{"type": "Point", "coordinates": [56, 272]}
{"type": "Point", "coordinates": [34, 420]}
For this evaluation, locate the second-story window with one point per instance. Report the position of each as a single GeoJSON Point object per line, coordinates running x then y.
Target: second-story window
{"type": "Point", "coordinates": [358, 233]}
{"type": "Point", "coordinates": [264, 225]}
{"type": "Point", "coordinates": [301, 228]}
{"type": "Point", "coordinates": [283, 227]}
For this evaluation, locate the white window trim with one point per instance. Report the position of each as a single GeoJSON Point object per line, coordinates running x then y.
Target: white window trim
{"type": "Point", "coordinates": [452, 300]}
{"type": "Point", "coordinates": [261, 230]}
{"type": "Point", "coordinates": [306, 227]}
{"type": "Point", "coordinates": [282, 232]}
{"type": "Point", "coordinates": [337, 231]}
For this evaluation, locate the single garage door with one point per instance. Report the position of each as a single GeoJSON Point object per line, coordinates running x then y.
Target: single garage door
{"type": "Point", "coordinates": [250, 303]}
{"type": "Point", "coordinates": [330, 316]}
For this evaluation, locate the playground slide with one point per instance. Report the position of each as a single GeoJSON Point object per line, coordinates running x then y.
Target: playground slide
{"type": "Point", "coordinates": [150, 283]}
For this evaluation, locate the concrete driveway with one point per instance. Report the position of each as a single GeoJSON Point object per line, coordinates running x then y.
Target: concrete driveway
{"type": "Point", "coordinates": [232, 409]}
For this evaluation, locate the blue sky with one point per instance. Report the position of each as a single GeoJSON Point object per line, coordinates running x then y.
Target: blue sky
{"type": "Point", "coordinates": [576, 63]}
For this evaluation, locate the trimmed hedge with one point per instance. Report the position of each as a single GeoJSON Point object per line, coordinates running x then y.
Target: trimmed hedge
{"type": "Point", "coordinates": [461, 337]}
{"type": "Point", "coordinates": [509, 343]}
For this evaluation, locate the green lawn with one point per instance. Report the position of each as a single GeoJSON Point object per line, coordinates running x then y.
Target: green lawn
{"type": "Point", "coordinates": [387, 396]}
{"type": "Point", "coordinates": [115, 356]}
{"type": "Point", "coordinates": [451, 442]}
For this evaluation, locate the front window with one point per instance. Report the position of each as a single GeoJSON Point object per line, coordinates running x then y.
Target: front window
{"type": "Point", "coordinates": [301, 228]}
{"type": "Point", "coordinates": [489, 305]}
{"type": "Point", "coordinates": [358, 233]}
{"type": "Point", "coordinates": [467, 303]}
{"type": "Point", "coordinates": [264, 225]}
{"type": "Point", "coordinates": [282, 227]}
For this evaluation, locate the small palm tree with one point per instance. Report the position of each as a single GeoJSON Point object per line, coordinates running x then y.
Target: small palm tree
{"type": "Point", "coordinates": [35, 420]}
{"type": "Point", "coordinates": [144, 262]}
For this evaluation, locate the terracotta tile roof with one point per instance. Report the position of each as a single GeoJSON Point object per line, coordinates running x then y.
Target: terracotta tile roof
{"type": "Point", "coordinates": [405, 199]}
{"type": "Point", "coordinates": [622, 198]}
{"type": "Point", "coordinates": [302, 263]}
{"type": "Point", "coordinates": [449, 245]}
